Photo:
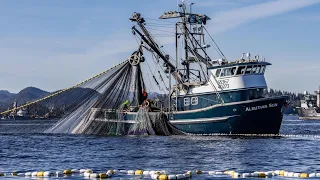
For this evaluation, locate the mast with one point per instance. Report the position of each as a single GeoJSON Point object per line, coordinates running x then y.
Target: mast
{"type": "Point", "coordinates": [146, 37]}
{"type": "Point", "coordinates": [186, 41]}
{"type": "Point", "coordinates": [177, 56]}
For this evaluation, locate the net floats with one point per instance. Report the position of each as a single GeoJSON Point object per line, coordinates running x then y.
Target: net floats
{"type": "Point", "coordinates": [163, 175]}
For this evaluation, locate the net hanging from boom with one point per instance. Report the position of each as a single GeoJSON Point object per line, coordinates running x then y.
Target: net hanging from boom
{"type": "Point", "coordinates": [98, 106]}
{"type": "Point", "coordinates": [105, 93]}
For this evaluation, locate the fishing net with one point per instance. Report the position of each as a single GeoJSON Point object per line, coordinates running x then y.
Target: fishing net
{"type": "Point", "coordinates": [100, 106]}
{"type": "Point", "coordinates": [104, 93]}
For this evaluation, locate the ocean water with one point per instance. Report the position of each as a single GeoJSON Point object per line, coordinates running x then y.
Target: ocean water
{"type": "Point", "coordinates": [25, 148]}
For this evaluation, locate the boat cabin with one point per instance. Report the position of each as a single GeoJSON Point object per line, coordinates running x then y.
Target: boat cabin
{"type": "Point", "coordinates": [228, 82]}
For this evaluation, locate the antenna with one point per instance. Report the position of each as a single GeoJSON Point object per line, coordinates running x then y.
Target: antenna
{"type": "Point", "coordinates": [248, 56]}
{"type": "Point", "coordinates": [242, 57]}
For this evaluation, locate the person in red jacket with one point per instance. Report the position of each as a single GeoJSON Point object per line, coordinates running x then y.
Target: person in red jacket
{"type": "Point", "coordinates": [144, 94]}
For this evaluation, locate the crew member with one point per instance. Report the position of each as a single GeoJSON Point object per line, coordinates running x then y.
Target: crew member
{"type": "Point", "coordinates": [126, 105]}
{"type": "Point", "coordinates": [144, 94]}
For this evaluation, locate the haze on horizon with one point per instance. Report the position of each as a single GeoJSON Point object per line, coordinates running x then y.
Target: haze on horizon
{"type": "Point", "coordinates": [56, 44]}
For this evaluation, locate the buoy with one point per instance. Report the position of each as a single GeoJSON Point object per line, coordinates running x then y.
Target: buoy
{"type": "Point", "coordinates": [211, 172]}
{"type": "Point", "coordinates": [82, 170]}
{"type": "Point", "coordinates": [163, 177]}
{"type": "Point", "coordinates": [172, 177]}
{"type": "Point", "coordinates": [59, 173]}
{"type": "Point", "coordinates": [40, 173]}
{"type": "Point", "coordinates": [262, 175]}
{"type": "Point", "coordinates": [154, 176]}
{"type": "Point", "coordinates": [103, 175]}
{"type": "Point", "coordinates": [109, 174]}
{"type": "Point", "coordinates": [75, 170]}
{"type": "Point", "coordinates": [14, 174]}
{"type": "Point", "coordinates": [21, 174]}
{"type": "Point", "coordinates": [186, 175]}
{"type": "Point", "coordinates": [115, 171]}
{"type": "Point", "coordinates": [255, 174]}
{"type": "Point", "coordinates": [285, 174]}
{"type": "Point", "coordinates": [46, 173]}
{"type": "Point", "coordinates": [27, 174]}
{"type": "Point", "coordinates": [34, 173]}
{"type": "Point", "coordinates": [317, 174]}
{"type": "Point", "coordinates": [296, 174]}
{"type": "Point", "coordinates": [198, 172]}
{"type": "Point", "coordinates": [231, 173]}
{"type": "Point", "coordinates": [1, 174]}
{"type": "Point", "coordinates": [152, 172]}
{"type": "Point", "coordinates": [312, 175]}
{"type": "Point", "coordinates": [131, 172]}
{"type": "Point", "coordinates": [281, 173]}
{"type": "Point", "coordinates": [245, 175]}
{"type": "Point", "coordinates": [290, 174]}
{"type": "Point", "coordinates": [86, 174]}
{"type": "Point", "coordinates": [236, 175]}
{"type": "Point", "coordinates": [138, 172]}
{"type": "Point", "coordinates": [146, 173]}
{"type": "Point", "coordinates": [123, 171]}
{"type": "Point", "coordinates": [180, 176]}
{"type": "Point", "coordinates": [219, 173]}
{"type": "Point", "coordinates": [89, 171]}
{"type": "Point", "coordinates": [111, 171]}
{"type": "Point", "coordinates": [67, 171]}
{"type": "Point", "coordinates": [158, 172]}
{"type": "Point", "coordinates": [94, 175]}
{"type": "Point", "coordinates": [189, 173]}
{"type": "Point", "coordinates": [304, 175]}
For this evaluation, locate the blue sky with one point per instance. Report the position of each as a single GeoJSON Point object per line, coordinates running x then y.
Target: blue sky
{"type": "Point", "coordinates": [56, 44]}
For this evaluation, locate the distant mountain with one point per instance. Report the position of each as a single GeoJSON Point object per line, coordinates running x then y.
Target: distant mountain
{"type": "Point", "coordinates": [6, 96]}
{"type": "Point", "coordinates": [32, 93]}
{"type": "Point", "coordinates": [29, 94]}
{"type": "Point", "coordinates": [5, 92]}
{"type": "Point", "coordinates": [25, 95]}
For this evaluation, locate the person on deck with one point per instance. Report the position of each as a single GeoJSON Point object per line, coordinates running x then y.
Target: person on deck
{"type": "Point", "coordinates": [144, 94]}
{"type": "Point", "coordinates": [146, 101]}
{"type": "Point", "coordinates": [126, 105]}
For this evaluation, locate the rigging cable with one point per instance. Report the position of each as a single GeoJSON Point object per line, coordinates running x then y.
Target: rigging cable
{"type": "Point", "coordinates": [208, 78]}
{"type": "Point", "coordinates": [215, 43]}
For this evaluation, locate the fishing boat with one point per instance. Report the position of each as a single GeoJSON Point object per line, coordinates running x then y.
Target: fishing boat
{"type": "Point", "coordinates": [208, 95]}
{"type": "Point", "coordinates": [310, 106]}
{"type": "Point", "coordinates": [221, 96]}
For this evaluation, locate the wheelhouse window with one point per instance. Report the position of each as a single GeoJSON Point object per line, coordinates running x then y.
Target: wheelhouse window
{"type": "Point", "coordinates": [233, 70]}
{"type": "Point", "coordinates": [222, 73]}
{"type": "Point", "coordinates": [258, 69]}
{"type": "Point", "coordinates": [218, 72]}
{"type": "Point", "coordinates": [248, 70]}
{"type": "Point", "coordinates": [186, 101]}
{"type": "Point", "coordinates": [194, 101]}
{"type": "Point", "coordinates": [263, 68]}
{"type": "Point", "coordinates": [254, 68]}
{"type": "Point", "coordinates": [241, 70]}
